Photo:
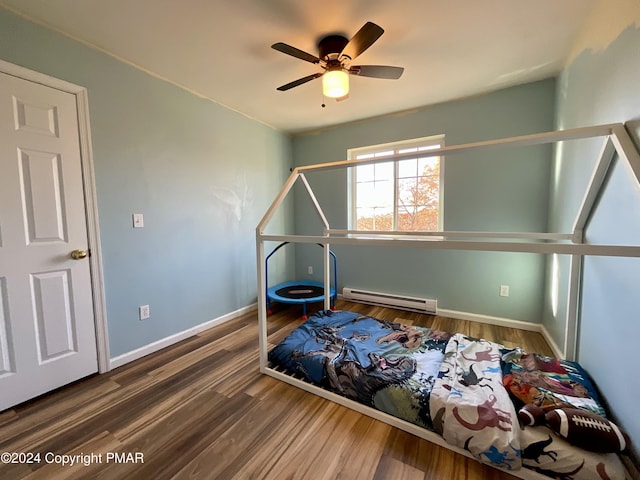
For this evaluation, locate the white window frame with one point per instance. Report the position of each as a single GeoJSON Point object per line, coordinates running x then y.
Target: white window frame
{"type": "Point", "coordinates": [392, 149]}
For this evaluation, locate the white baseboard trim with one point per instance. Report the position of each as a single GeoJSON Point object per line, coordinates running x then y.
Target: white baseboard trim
{"type": "Point", "coordinates": [557, 351]}
{"type": "Point", "coordinates": [500, 321]}
{"type": "Point", "coordinates": [506, 322]}
{"type": "Point", "coordinates": [125, 358]}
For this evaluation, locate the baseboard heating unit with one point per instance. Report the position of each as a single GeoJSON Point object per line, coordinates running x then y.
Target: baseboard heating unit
{"type": "Point", "coordinates": [422, 305]}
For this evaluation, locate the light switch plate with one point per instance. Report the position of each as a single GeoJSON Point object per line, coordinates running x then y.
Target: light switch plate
{"type": "Point", "coordinates": [138, 220]}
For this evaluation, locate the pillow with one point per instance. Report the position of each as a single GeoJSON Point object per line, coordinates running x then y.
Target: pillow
{"type": "Point", "coordinates": [587, 430]}
{"type": "Point", "coordinates": [548, 382]}
{"type": "Point", "coordinates": [579, 427]}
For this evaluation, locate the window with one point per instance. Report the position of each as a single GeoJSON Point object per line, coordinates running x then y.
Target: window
{"type": "Point", "coordinates": [402, 195]}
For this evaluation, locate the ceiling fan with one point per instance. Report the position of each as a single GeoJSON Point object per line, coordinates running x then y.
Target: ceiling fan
{"type": "Point", "coordinates": [335, 54]}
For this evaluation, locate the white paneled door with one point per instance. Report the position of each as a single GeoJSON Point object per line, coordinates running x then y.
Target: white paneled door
{"type": "Point", "coordinates": [47, 330]}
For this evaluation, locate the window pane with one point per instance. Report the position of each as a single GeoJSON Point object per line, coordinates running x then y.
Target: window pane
{"type": "Point", "coordinates": [366, 195]}
{"type": "Point", "coordinates": [364, 218]}
{"type": "Point", "coordinates": [429, 188]}
{"type": "Point", "coordinates": [429, 147]}
{"type": "Point", "coordinates": [428, 219]}
{"type": "Point", "coordinates": [407, 150]}
{"type": "Point", "coordinates": [418, 200]}
{"type": "Point", "coordinates": [374, 219]}
{"type": "Point", "coordinates": [384, 171]}
{"type": "Point", "coordinates": [408, 192]}
{"type": "Point", "coordinates": [407, 220]}
{"type": "Point", "coordinates": [384, 193]}
{"type": "Point", "coordinates": [384, 153]}
{"type": "Point", "coordinates": [375, 194]}
{"type": "Point", "coordinates": [418, 218]}
{"type": "Point", "coordinates": [383, 219]}
{"type": "Point", "coordinates": [407, 168]}
{"type": "Point", "coordinates": [364, 173]}
{"type": "Point", "coordinates": [428, 165]}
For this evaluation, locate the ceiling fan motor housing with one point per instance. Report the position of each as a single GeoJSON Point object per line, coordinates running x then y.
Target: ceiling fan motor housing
{"type": "Point", "coordinates": [331, 44]}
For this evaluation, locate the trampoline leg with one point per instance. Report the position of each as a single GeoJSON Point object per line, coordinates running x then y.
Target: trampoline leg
{"type": "Point", "coordinates": [304, 311]}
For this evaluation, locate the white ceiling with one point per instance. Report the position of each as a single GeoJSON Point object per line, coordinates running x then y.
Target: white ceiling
{"type": "Point", "coordinates": [220, 49]}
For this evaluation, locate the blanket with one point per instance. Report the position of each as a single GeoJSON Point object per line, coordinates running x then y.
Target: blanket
{"type": "Point", "coordinates": [383, 364]}
{"type": "Point", "coordinates": [470, 407]}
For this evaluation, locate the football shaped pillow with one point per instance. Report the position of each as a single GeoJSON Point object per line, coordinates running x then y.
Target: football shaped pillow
{"type": "Point", "coordinates": [531, 415]}
{"type": "Point", "coordinates": [587, 430]}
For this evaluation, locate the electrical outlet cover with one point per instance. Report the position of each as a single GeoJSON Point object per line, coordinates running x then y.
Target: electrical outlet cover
{"type": "Point", "coordinates": [144, 312]}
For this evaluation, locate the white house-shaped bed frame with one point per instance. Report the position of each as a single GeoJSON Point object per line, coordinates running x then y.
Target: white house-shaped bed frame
{"type": "Point", "coordinates": [616, 140]}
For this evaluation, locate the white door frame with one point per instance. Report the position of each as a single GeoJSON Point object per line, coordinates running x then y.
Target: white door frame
{"type": "Point", "coordinates": [90, 200]}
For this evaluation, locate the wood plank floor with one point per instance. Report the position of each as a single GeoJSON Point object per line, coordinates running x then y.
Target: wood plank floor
{"type": "Point", "coordinates": [201, 410]}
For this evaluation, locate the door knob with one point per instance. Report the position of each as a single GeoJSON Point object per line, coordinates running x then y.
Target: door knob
{"type": "Point", "coordinates": [78, 254]}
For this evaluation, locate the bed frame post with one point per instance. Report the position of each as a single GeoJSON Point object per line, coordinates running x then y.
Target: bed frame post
{"type": "Point", "coordinates": [572, 323]}
{"type": "Point", "coordinates": [262, 302]}
{"type": "Point", "coordinates": [593, 190]}
{"type": "Point", "coordinates": [326, 263]}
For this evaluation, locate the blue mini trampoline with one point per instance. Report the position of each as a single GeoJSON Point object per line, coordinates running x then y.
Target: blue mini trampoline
{"type": "Point", "coordinates": [301, 292]}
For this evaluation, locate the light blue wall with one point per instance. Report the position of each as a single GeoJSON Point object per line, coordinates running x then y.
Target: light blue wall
{"type": "Point", "coordinates": [201, 174]}
{"type": "Point", "coordinates": [597, 88]}
{"type": "Point", "coordinates": [504, 190]}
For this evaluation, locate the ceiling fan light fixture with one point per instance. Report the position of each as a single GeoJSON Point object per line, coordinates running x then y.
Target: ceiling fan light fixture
{"type": "Point", "coordinates": [335, 83]}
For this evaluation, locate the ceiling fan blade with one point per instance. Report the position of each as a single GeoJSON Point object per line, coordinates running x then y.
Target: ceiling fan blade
{"type": "Point", "coordinates": [300, 81]}
{"type": "Point", "coordinates": [295, 52]}
{"type": "Point", "coordinates": [377, 71]}
{"type": "Point", "coordinates": [363, 39]}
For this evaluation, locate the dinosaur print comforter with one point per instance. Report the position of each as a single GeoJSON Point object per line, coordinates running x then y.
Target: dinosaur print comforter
{"type": "Point", "coordinates": [385, 365]}
{"type": "Point", "coordinates": [448, 383]}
